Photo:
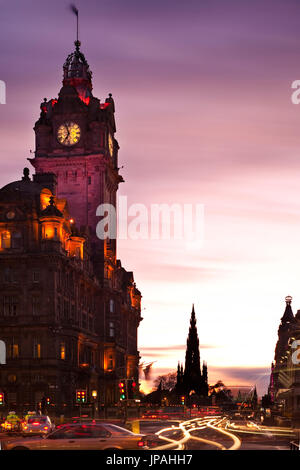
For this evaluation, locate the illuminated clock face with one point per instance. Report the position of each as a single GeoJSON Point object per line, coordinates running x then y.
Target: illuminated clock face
{"type": "Point", "coordinates": [68, 133]}
{"type": "Point", "coordinates": [110, 144]}
{"type": "Point", "coordinates": [10, 215]}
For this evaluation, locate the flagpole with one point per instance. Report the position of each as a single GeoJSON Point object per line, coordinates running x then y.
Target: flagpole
{"type": "Point", "coordinates": [76, 12]}
{"type": "Point", "coordinates": [77, 23]}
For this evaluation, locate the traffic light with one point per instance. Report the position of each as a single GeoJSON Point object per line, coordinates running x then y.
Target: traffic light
{"type": "Point", "coordinates": [1, 398]}
{"type": "Point", "coordinates": [183, 400]}
{"type": "Point", "coordinates": [131, 388]}
{"type": "Point", "coordinates": [48, 400]}
{"type": "Point", "coordinates": [122, 390]}
{"type": "Point", "coordinates": [80, 396]}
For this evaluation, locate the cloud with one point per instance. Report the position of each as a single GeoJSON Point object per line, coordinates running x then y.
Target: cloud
{"type": "Point", "coordinates": [241, 376]}
{"type": "Point", "coordinates": [180, 347]}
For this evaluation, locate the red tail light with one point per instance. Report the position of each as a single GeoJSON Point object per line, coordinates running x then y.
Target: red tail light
{"type": "Point", "coordinates": [141, 444]}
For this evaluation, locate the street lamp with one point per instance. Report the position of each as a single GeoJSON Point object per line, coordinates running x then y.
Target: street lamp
{"type": "Point", "coordinates": [94, 395]}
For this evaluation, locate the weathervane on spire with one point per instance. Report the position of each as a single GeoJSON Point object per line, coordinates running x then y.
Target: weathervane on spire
{"type": "Point", "coordinates": [76, 12]}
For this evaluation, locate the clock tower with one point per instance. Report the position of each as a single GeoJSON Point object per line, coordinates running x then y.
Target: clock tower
{"type": "Point", "coordinates": [75, 140]}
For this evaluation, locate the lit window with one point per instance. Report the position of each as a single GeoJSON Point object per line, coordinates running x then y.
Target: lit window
{"type": "Point", "coordinates": [111, 306]}
{"type": "Point", "coordinates": [15, 350]}
{"type": "Point", "coordinates": [62, 351]}
{"type": "Point", "coordinates": [110, 362]}
{"type": "Point", "coordinates": [37, 349]}
{"type": "Point", "coordinates": [5, 240]}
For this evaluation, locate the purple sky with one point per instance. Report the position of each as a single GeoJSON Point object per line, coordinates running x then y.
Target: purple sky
{"type": "Point", "coordinates": [204, 115]}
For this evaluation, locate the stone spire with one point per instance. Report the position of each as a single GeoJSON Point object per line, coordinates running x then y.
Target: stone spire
{"type": "Point", "coordinates": [192, 371]}
{"type": "Point", "coordinates": [288, 323]}
{"type": "Point", "coordinates": [288, 316]}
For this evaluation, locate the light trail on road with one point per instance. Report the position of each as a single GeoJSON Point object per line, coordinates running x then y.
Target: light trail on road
{"type": "Point", "coordinates": [254, 428]}
{"type": "Point", "coordinates": [197, 424]}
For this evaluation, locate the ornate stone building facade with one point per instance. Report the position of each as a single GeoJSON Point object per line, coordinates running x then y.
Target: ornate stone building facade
{"type": "Point", "coordinates": [69, 311]}
{"type": "Point", "coordinates": [284, 388]}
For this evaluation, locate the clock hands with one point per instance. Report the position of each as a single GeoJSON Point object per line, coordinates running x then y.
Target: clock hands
{"type": "Point", "coordinates": [68, 129]}
{"type": "Point", "coordinates": [69, 133]}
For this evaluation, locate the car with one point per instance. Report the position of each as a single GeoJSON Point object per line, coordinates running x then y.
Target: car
{"type": "Point", "coordinates": [82, 436]}
{"type": "Point", "coordinates": [36, 425]}
{"type": "Point", "coordinates": [10, 428]}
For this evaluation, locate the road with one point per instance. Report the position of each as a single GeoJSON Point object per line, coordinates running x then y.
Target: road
{"type": "Point", "coordinates": [222, 433]}
{"type": "Point", "coordinates": [214, 433]}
